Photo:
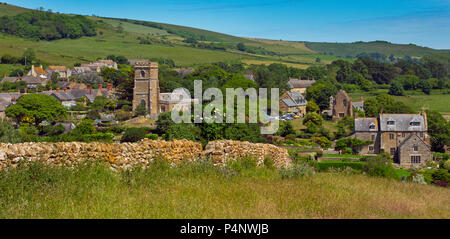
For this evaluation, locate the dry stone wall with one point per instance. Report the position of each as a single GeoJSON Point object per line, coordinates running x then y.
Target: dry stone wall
{"type": "Point", "coordinates": [124, 155]}
{"type": "Point", "coordinates": [223, 150]}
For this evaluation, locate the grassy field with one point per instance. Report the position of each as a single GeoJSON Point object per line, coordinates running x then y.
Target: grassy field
{"type": "Point", "coordinates": [417, 100]}
{"type": "Point", "coordinates": [204, 191]}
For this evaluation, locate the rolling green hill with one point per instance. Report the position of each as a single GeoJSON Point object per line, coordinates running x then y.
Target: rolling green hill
{"type": "Point", "coordinates": [382, 47]}
{"type": "Point", "coordinates": [187, 46]}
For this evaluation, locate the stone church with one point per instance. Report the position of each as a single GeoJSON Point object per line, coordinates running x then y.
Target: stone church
{"type": "Point", "coordinates": [146, 90]}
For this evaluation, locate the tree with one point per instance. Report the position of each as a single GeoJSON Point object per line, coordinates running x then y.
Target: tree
{"type": "Point", "coordinates": [311, 106]}
{"type": "Point", "coordinates": [141, 110]}
{"type": "Point", "coordinates": [373, 105]}
{"type": "Point", "coordinates": [439, 130]}
{"type": "Point", "coordinates": [180, 131]}
{"type": "Point", "coordinates": [35, 108]}
{"type": "Point", "coordinates": [28, 57]}
{"type": "Point", "coordinates": [286, 128]}
{"type": "Point", "coordinates": [163, 122]}
{"type": "Point", "coordinates": [86, 126]}
{"type": "Point", "coordinates": [241, 47]}
{"type": "Point", "coordinates": [313, 118]}
{"type": "Point", "coordinates": [320, 93]}
{"type": "Point", "coordinates": [396, 89]}
{"type": "Point", "coordinates": [8, 134]}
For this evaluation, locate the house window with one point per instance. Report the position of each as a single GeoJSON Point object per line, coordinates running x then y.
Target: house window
{"type": "Point", "coordinates": [414, 123]}
{"type": "Point", "coordinates": [371, 126]}
{"type": "Point", "coordinates": [391, 122]}
{"type": "Point", "coordinates": [421, 134]}
{"type": "Point", "coordinates": [403, 134]}
{"type": "Point", "coordinates": [373, 137]}
{"type": "Point", "coordinates": [142, 73]}
{"type": "Point", "coordinates": [341, 115]}
{"type": "Point", "coordinates": [391, 136]}
{"type": "Point", "coordinates": [415, 148]}
{"type": "Point", "coordinates": [370, 148]}
{"type": "Point", "coordinates": [415, 159]}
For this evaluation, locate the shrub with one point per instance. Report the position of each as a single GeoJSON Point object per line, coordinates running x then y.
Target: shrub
{"type": "Point", "coordinates": [380, 166]}
{"type": "Point", "coordinates": [327, 165]}
{"type": "Point", "coordinates": [133, 135]}
{"type": "Point", "coordinates": [441, 184]}
{"type": "Point", "coordinates": [322, 141]}
{"type": "Point", "coordinates": [440, 175]}
{"type": "Point", "coordinates": [447, 165]}
{"type": "Point", "coordinates": [151, 136]}
{"type": "Point", "coordinates": [298, 170]}
{"type": "Point", "coordinates": [290, 137]}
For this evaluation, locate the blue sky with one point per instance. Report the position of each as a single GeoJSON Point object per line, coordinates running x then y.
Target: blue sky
{"type": "Point", "coordinates": [422, 22]}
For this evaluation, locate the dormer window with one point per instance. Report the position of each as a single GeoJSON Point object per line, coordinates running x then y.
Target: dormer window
{"type": "Point", "coordinates": [414, 123]}
{"type": "Point", "coordinates": [391, 122]}
{"type": "Point", "coordinates": [372, 126]}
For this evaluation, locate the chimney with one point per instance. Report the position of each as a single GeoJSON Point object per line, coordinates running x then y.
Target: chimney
{"type": "Point", "coordinates": [424, 119]}
{"type": "Point", "coordinates": [100, 86]}
{"type": "Point", "coordinates": [89, 87]}
{"type": "Point", "coordinates": [361, 99]}
{"type": "Point", "coordinates": [57, 90]}
{"type": "Point", "coordinates": [307, 78]}
{"type": "Point", "coordinates": [65, 90]}
{"type": "Point", "coordinates": [109, 87]}
{"type": "Point", "coordinates": [32, 69]}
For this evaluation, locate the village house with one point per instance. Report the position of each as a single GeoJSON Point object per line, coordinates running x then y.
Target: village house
{"type": "Point", "coordinates": [293, 102]}
{"type": "Point", "coordinates": [341, 105]}
{"type": "Point", "coordinates": [78, 70]}
{"type": "Point", "coordinates": [62, 71]}
{"type": "Point", "coordinates": [359, 105]}
{"type": "Point", "coordinates": [404, 136]}
{"type": "Point", "coordinates": [37, 72]}
{"type": "Point", "coordinates": [31, 81]}
{"type": "Point", "coordinates": [99, 65]}
{"type": "Point", "coordinates": [180, 97]}
{"type": "Point", "coordinates": [299, 85]}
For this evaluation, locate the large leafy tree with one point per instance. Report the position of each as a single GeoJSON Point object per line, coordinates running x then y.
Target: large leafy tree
{"type": "Point", "coordinates": [439, 130]}
{"type": "Point", "coordinates": [320, 93]}
{"type": "Point", "coordinates": [35, 108]}
{"type": "Point", "coordinates": [373, 105]}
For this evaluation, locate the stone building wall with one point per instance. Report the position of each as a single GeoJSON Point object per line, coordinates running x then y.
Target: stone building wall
{"type": "Point", "coordinates": [341, 105]}
{"type": "Point", "coordinates": [414, 146]}
{"type": "Point", "coordinates": [124, 155]}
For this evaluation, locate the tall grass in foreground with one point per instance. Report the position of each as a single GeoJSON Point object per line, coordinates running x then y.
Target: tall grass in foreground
{"type": "Point", "coordinates": [200, 190]}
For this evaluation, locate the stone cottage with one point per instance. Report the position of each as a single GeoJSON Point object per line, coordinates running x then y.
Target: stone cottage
{"type": "Point", "coordinates": [404, 136]}
{"type": "Point", "coordinates": [341, 105]}
{"type": "Point", "coordinates": [293, 102]}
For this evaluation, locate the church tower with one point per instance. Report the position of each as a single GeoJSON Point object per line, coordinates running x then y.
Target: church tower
{"type": "Point", "coordinates": [146, 86]}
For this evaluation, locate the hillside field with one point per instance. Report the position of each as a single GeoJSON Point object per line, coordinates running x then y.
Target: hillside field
{"type": "Point", "coordinates": [202, 191]}
{"type": "Point", "coordinates": [120, 37]}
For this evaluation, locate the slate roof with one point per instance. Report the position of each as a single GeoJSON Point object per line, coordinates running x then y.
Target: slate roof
{"type": "Point", "coordinates": [295, 99]}
{"type": "Point", "coordinates": [296, 83]}
{"type": "Point", "coordinates": [402, 122]}
{"type": "Point", "coordinates": [132, 62]}
{"type": "Point", "coordinates": [358, 105]}
{"type": "Point", "coordinates": [410, 137]}
{"type": "Point", "coordinates": [363, 124]}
